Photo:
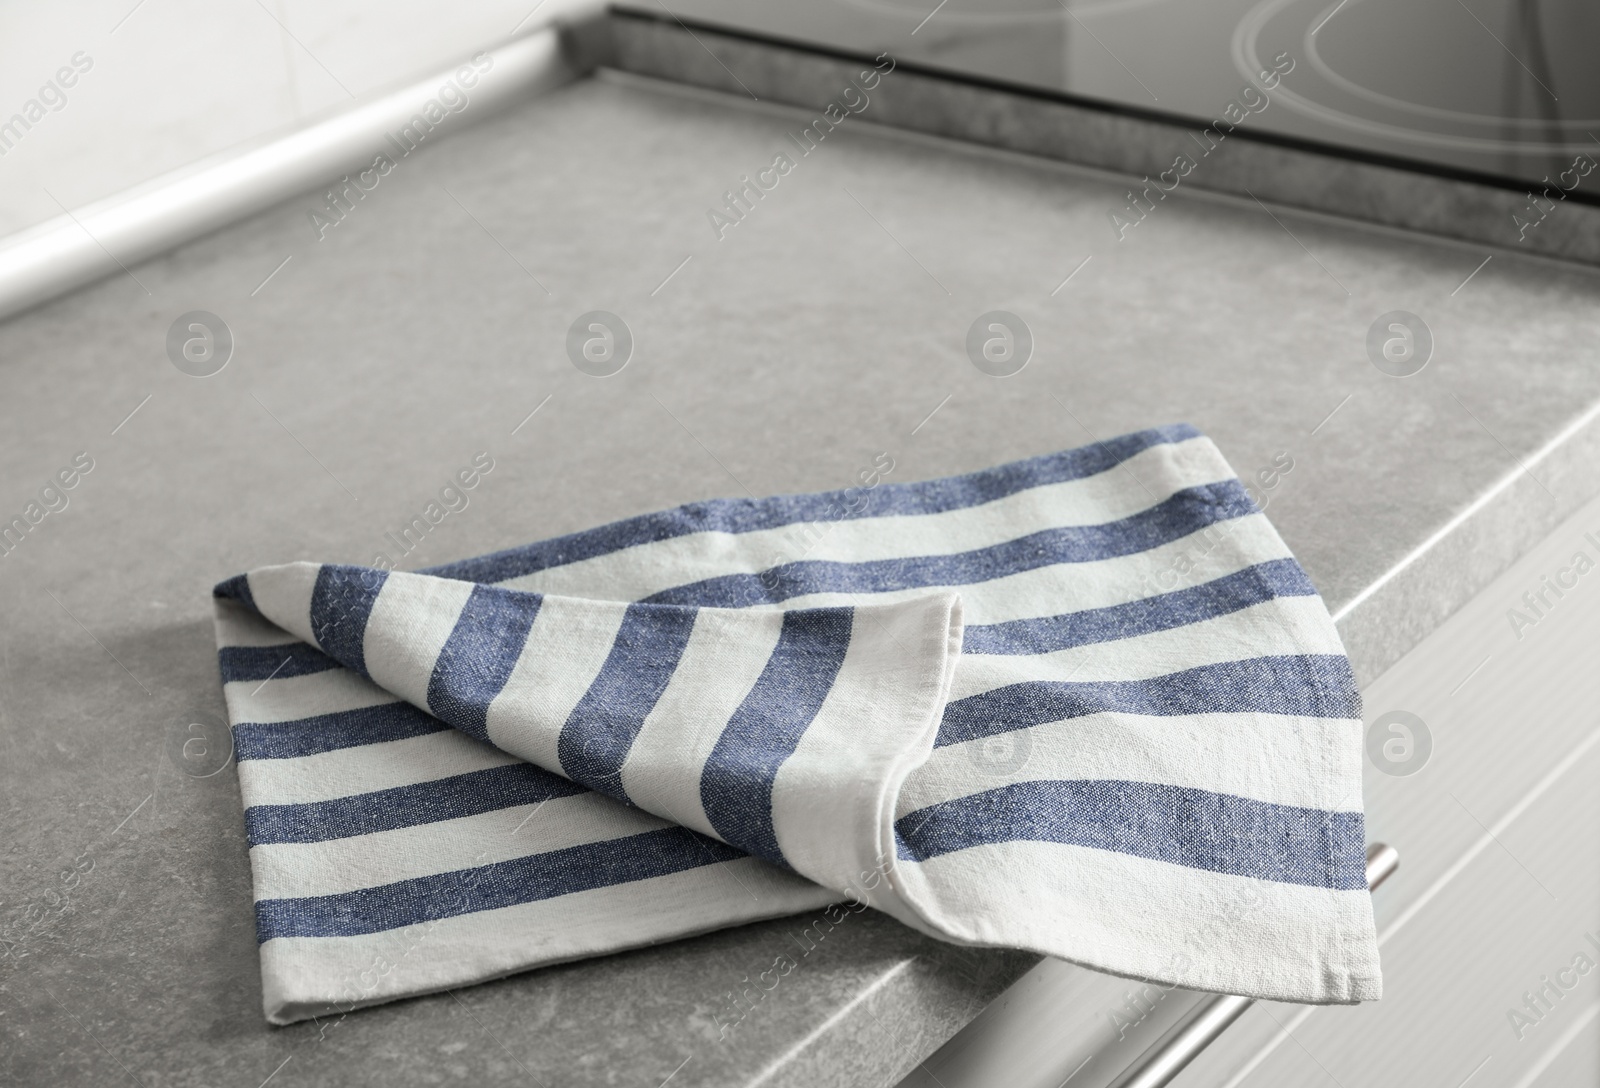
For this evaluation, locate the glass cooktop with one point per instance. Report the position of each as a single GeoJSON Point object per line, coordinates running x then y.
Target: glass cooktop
{"type": "Point", "coordinates": [1504, 88]}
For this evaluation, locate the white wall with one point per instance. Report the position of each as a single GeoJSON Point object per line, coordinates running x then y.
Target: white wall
{"type": "Point", "coordinates": [172, 81]}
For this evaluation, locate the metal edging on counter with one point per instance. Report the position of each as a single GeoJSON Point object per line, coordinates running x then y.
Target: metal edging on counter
{"type": "Point", "coordinates": [83, 245]}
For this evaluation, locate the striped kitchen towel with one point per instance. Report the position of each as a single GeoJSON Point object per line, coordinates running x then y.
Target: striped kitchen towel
{"type": "Point", "coordinates": [1085, 704]}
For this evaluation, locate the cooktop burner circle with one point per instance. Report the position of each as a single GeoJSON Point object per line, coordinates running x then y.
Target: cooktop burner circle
{"type": "Point", "coordinates": [1320, 98]}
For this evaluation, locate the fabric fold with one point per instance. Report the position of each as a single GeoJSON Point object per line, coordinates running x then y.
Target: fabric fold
{"type": "Point", "coordinates": [785, 735]}
{"type": "Point", "coordinates": [1085, 704]}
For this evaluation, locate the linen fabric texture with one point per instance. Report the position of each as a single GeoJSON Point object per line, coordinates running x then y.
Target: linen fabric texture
{"type": "Point", "coordinates": [1085, 704]}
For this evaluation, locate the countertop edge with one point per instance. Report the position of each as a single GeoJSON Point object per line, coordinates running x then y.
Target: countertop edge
{"type": "Point", "coordinates": [1481, 542]}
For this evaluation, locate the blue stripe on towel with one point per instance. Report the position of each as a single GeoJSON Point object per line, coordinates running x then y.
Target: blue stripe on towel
{"type": "Point", "coordinates": [236, 588]}
{"type": "Point", "coordinates": [750, 515]}
{"type": "Point", "coordinates": [1180, 514]}
{"type": "Point", "coordinates": [331, 732]}
{"type": "Point", "coordinates": [1195, 828]}
{"type": "Point", "coordinates": [736, 782]}
{"type": "Point", "coordinates": [260, 663]}
{"type": "Point", "coordinates": [490, 887]}
{"type": "Point", "coordinates": [341, 602]}
{"type": "Point", "coordinates": [1233, 593]}
{"type": "Point", "coordinates": [406, 806]}
{"type": "Point", "coordinates": [479, 655]}
{"type": "Point", "coordinates": [595, 740]}
{"type": "Point", "coordinates": [1307, 685]}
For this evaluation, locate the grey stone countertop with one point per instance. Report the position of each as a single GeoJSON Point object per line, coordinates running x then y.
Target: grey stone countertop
{"type": "Point", "coordinates": [826, 327]}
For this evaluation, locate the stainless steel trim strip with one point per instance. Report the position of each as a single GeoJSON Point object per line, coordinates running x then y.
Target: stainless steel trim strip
{"type": "Point", "coordinates": [116, 233]}
{"type": "Point", "coordinates": [1182, 1042]}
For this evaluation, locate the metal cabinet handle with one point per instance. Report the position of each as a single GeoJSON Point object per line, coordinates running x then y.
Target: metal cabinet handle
{"type": "Point", "coordinates": [1182, 1042]}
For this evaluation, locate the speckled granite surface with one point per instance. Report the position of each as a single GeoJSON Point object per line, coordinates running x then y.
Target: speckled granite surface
{"type": "Point", "coordinates": [826, 327]}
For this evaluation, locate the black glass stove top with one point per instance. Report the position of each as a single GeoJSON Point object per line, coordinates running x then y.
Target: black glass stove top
{"type": "Point", "coordinates": [1504, 88]}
